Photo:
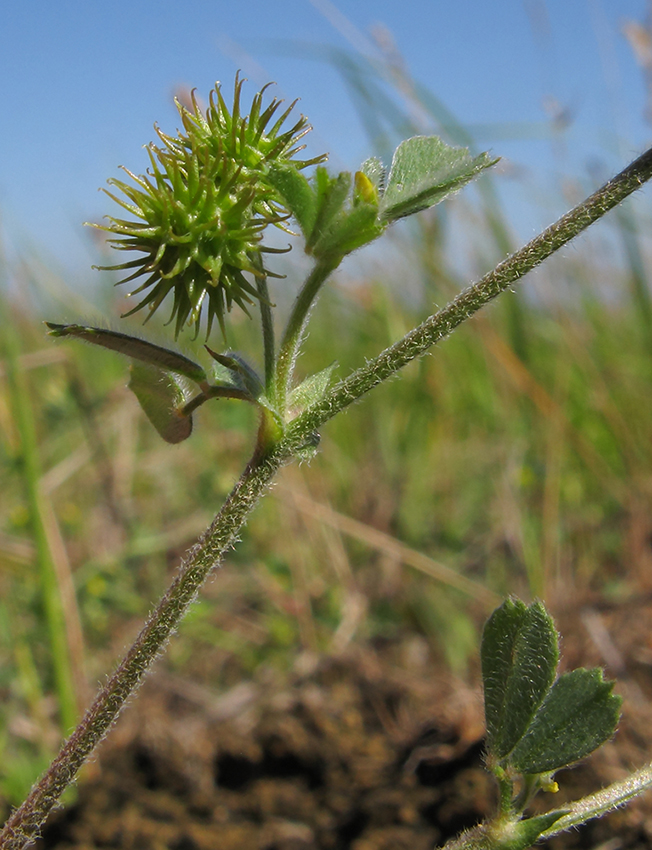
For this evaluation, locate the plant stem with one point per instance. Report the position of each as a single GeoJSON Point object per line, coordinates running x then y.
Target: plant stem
{"type": "Point", "coordinates": [213, 392]}
{"type": "Point", "coordinates": [267, 324]}
{"type": "Point", "coordinates": [24, 823]}
{"type": "Point", "coordinates": [469, 301]}
{"type": "Point", "coordinates": [604, 801]}
{"type": "Point", "coordinates": [505, 793]}
{"type": "Point", "coordinates": [293, 335]}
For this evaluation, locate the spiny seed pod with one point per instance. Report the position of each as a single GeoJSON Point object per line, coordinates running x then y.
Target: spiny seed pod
{"type": "Point", "coordinates": [201, 209]}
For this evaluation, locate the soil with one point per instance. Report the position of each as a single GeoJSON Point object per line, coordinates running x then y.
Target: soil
{"type": "Point", "coordinates": [376, 749]}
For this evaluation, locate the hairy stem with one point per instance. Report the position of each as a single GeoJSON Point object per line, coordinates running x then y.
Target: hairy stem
{"type": "Point", "coordinates": [604, 801]}
{"type": "Point", "coordinates": [213, 392]}
{"type": "Point", "coordinates": [267, 325]}
{"type": "Point", "coordinates": [293, 335]}
{"type": "Point", "coordinates": [24, 823]}
{"type": "Point", "coordinates": [505, 793]}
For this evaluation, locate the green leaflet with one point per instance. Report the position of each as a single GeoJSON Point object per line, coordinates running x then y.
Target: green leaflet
{"type": "Point", "coordinates": [349, 230]}
{"type": "Point", "coordinates": [519, 660]}
{"type": "Point", "coordinates": [331, 196]}
{"type": "Point", "coordinates": [578, 715]}
{"type": "Point", "coordinates": [137, 349]}
{"type": "Point", "coordinates": [424, 171]}
{"type": "Point", "coordinates": [161, 397]}
{"type": "Point", "coordinates": [297, 193]}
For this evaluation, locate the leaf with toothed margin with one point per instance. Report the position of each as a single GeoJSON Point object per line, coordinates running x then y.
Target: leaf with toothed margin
{"type": "Point", "coordinates": [424, 171]}
{"type": "Point", "coordinates": [137, 349]}
{"type": "Point", "coordinates": [162, 398]}
{"type": "Point", "coordinates": [577, 716]}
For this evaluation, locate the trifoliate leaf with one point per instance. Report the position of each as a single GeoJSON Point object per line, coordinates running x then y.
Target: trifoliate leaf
{"type": "Point", "coordinates": [312, 389]}
{"type": "Point", "coordinates": [161, 397]}
{"type": "Point", "coordinates": [137, 349]}
{"type": "Point", "coordinates": [519, 654]}
{"type": "Point", "coordinates": [424, 171]}
{"type": "Point", "coordinates": [578, 715]}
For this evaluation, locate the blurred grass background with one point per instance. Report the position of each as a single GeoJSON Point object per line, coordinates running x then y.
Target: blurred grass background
{"type": "Point", "coordinates": [516, 459]}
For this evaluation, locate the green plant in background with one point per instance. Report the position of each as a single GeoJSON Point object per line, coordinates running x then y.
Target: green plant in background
{"type": "Point", "coordinates": [200, 216]}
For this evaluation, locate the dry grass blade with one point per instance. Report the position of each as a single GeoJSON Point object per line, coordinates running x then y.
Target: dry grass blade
{"type": "Point", "coordinates": [391, 546]}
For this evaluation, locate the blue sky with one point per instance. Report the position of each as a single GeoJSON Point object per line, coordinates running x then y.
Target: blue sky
{"type": "Point", "coordinates": [83, 83]}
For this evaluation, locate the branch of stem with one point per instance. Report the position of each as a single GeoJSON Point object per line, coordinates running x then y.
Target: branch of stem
{"type": "Point", "coordinates": [267, 325]}
{"type": "Point", "coordinates": [293, 335]}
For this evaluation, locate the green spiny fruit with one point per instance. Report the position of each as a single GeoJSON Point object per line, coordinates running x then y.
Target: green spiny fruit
{"type": "Point", "coordinates": [202, 207]}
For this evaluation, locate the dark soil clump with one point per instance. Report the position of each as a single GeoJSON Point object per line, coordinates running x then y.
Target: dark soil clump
{"type": "Point", "coordinates": [348, 753]}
